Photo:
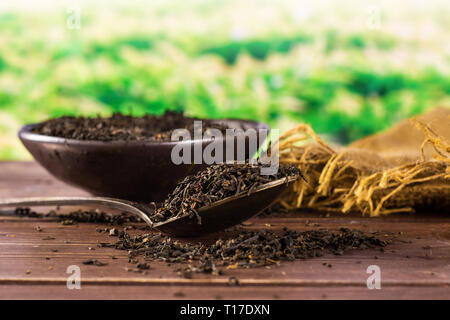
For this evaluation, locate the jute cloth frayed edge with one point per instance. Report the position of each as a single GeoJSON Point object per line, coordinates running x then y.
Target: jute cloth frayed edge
{"type": "Point", "coordinates": [351, 179]}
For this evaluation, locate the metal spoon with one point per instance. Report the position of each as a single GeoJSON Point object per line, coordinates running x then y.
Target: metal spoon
{"type": "Point", "coordinates": [219, 215]}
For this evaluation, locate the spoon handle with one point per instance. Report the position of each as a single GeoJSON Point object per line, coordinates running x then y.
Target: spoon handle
{"type": "Point", "coordinates": [80, 201]}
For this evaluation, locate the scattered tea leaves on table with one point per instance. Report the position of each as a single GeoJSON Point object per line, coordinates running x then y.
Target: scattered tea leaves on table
{"type": "Point", "coordinates": [81, 216]}
{"type": "Point", "coordinates": [248, 249]}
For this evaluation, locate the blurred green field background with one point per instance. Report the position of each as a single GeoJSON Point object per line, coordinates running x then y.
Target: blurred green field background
{"type": "Point", "coordinates": [337, 65]}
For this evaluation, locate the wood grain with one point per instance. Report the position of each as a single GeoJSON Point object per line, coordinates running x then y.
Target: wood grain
{"type": "Point", "coordinates": [416, 265]}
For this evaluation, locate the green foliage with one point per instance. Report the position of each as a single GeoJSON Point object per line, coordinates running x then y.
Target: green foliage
{"type": "Point", "coordinates": [257, 48]}
{"type": "Point", "coordinates": [346, 84]}
{"type": "Point", "coordinates": [371, 84]}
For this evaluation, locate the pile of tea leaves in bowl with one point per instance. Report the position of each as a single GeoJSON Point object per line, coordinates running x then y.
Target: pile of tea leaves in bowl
{"type": "Point", "coordinates": [215, 183]}
{"type": "Point", "coordinates": [121, 127]}
{"type": "Point", "coordinates": [246, 249]}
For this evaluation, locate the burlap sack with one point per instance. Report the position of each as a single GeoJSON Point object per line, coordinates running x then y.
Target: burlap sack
{"type": "Point", "coordinates": [403, 169]}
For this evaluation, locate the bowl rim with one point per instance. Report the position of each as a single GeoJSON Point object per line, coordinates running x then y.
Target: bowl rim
{"type": "Point", "coordinates": [26, 134]}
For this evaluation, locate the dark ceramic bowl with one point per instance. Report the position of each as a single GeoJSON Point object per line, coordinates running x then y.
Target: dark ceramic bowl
{"type": "Point", "coordinates": [139, 171]}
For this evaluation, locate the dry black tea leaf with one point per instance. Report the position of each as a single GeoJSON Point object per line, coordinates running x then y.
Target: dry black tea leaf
{"type": "Point", "coordinates": [94, 262]}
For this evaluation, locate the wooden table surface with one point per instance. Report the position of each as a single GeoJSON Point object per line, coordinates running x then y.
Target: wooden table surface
{"type": "Point", "coordinates": [415, 266]}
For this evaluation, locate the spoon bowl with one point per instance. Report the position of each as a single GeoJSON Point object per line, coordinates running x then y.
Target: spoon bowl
{"type": "Point", "coordinates": [227, 212]}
